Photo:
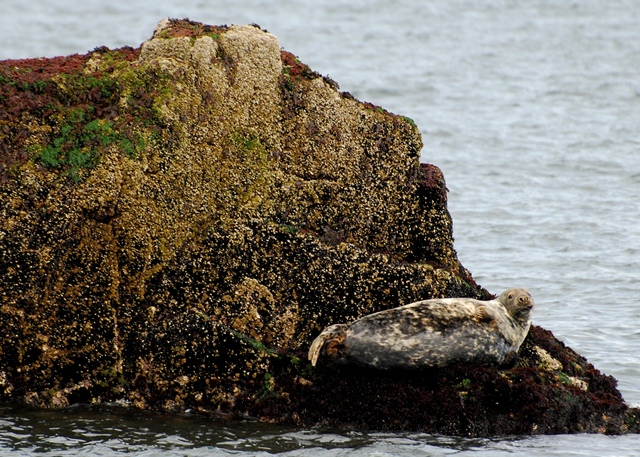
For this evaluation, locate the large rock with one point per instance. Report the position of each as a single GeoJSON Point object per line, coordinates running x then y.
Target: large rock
{"type": "Point", "coordinates": [179, 221]}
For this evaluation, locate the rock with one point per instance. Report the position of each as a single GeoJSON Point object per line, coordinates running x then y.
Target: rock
{"type": "Point", "coordinates": [179, 221]}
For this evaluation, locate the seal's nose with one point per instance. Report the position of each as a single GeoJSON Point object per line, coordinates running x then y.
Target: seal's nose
{"type": "Point", "coordinates": [526, 301]}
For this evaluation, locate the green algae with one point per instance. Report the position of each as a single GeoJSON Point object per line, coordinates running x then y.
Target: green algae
{"type": "Point", "coordinates": [82, 112]}
{"type": "Point", "coordinates": [258, 346]}
{"type": "Point", "coordinates": [81, 142]}
{"type": "Point", "coordinates": [410, 121]}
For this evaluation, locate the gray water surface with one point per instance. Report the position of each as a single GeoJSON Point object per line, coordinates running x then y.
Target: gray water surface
{"type": "Point", "coordinates": [112, 430]}
{"type": "Point", "coordinates": [532, 110]}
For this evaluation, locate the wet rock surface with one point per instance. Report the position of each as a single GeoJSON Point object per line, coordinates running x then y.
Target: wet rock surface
{"type": "Point", "coordinates": [179, 221]}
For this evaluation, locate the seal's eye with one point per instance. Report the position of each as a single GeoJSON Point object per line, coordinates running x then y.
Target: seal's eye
{"type": "Point", "coordinates": [510, 296]}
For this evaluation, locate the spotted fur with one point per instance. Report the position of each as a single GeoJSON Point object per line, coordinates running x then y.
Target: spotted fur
{"type": "Point", "coordinates": [432, 333]}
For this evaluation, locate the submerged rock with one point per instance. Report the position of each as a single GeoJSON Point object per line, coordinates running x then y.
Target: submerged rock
{"type": "Point", "coordinates": [179, 221]}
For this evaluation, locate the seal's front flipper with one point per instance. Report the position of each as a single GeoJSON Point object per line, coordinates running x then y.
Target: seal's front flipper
{"type": "Point", "coordinates": [329, 340]}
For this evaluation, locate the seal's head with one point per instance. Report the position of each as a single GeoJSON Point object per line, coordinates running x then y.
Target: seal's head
{"type": "Point", "coordinates": [518, 303]}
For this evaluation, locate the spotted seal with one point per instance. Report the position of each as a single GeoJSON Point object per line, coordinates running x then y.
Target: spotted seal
{"type": "Point", "coordinates": [432, 333]}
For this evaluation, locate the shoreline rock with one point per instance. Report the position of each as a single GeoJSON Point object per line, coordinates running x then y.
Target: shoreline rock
{"type": "Point", "coordinates": [180, 220]}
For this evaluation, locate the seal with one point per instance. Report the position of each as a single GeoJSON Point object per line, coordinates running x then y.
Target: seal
{"type": "Point", "coordinates": [432, 333]}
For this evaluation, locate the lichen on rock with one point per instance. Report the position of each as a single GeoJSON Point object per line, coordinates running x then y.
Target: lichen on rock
{"type": "Point", "coordinates": [179, 221]}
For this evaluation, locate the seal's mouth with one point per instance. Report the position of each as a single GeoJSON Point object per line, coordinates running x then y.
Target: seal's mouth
{"type": "Point", "coordinates": [523, 315]}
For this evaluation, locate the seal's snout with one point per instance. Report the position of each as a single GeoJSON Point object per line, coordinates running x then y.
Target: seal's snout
{"type": "Point", "coordinates": [525, 301]}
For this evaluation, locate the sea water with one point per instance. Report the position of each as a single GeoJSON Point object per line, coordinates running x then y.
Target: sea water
{"type": "Point", "coordinates": [531, 109]}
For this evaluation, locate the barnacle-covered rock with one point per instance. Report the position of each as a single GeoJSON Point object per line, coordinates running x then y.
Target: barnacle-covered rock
{"type": "Point", "coordinates": [180, 220]}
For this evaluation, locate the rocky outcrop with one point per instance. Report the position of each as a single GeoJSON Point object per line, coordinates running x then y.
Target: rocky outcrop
{"type": "Point", "coordinates": [179, 221]}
